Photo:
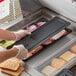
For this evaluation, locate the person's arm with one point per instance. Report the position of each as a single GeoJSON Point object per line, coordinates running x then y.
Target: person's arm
{"type": "Point", "coordinates": [18, 51]}
{"type": "Point", "coordinates": [4, 55]}
{"type": "Point", "coordinates": [9, 35]}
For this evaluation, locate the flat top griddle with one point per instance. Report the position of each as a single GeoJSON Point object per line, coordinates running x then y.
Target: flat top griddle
{"type": "Point", "coordinates": [43, 33]}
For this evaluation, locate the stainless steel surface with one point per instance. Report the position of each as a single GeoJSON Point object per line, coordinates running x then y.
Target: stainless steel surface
{"type": "Point", "coordinates": [37, 12]}
{"type": "Point", "coordinates": [53, 14]}
{"type": "Point", "coordinates": [41, 59]}
{"type": "Point", "coordinates": [66, 8]}
{"type": "Point", "coordinates": [51, 50]}
{"type": "Point", "coordinates": [29, 6]}
{"type": "Point", "coordinates": [59, 52]}
{"type": "Point", "coordinates": [10, 24]}
{"type": "Point", "coordinates": [25, 74]}
{"type": "Point", "coordinates": [31, 19]}
{"type": "Point", "coordinates": [34, 62]}
{"type": "Point", "coordinates": [43, 12]}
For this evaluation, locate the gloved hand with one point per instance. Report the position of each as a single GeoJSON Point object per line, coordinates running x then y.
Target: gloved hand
{"type": "Point", "coordinates": [22, 53]}
{"type": "Point", "coordinates": [21, 33]}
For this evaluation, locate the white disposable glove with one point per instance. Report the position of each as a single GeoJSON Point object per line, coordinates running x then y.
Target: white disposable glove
{"type": "Point", "coordinates": [22, 53]}
{"type": "Point", "coordinates": [21, 33]}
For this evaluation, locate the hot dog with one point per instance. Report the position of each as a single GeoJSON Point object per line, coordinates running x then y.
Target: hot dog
{"type": "Point", "coordinates": [57, 36]}
{"type": "Point", "coordinates": [34, 51]}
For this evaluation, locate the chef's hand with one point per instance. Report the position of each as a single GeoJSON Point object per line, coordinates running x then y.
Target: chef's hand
{"type": "Point", "coordinates": [22, 52]}
{"type": "Point", "coordinates": [21, 33]}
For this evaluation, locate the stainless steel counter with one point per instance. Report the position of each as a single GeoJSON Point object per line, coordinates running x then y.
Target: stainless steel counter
{"type": "Point", "coordinates": [34, 62]}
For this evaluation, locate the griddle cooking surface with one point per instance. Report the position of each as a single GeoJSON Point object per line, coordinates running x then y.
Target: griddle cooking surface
{"type": "Point", "coordinates": [43, 33]}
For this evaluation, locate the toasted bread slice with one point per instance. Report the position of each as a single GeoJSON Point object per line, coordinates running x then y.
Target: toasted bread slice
{"type": "Point", "coordinates": [10, 64]}
{"type": "Point", "coordinates": [58, 63]}
{"type": "Point", "coordinates": [13, 73]}
{"type": "Point", "coordinates": [73, 49]}
{"type": "Point", "coordinates": [48, 70]}
{"type": "Point", "coordinates": [67, 56]}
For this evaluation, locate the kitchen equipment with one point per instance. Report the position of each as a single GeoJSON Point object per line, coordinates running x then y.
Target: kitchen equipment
{"type": "Point", "coordinates": [66, 8]}
{"type": "Point", "coordinates": [32, 12]}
